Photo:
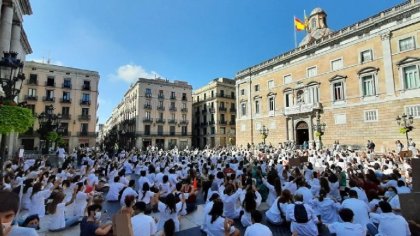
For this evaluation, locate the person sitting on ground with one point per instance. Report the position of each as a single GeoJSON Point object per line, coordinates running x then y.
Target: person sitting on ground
{"type": "Point", "coordinates": [143, 225]}
{"type": "Point", "coordinates": [8, 209]}
{"type": "Point", "coordinates": [168, 228]}
{"type": "Point", "coordinates": [388, 222]}
{"type": "Point", "coordinates": [31, 221]}
{"type": "Point", "coordinates": [303, 219]}
{"type": "Point", "coordinates": [347, 227]}
{"type": "Point", "coordinates": [90, 223]}
{"type": "Point", "coordinates": [217, 225]}
{"type": "Point", "coordinates": [257, 228]}
{"type": "Point", "coordinates": [57, 210]}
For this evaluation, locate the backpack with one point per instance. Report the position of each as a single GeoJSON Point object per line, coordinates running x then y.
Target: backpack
{"type": "Point", "coordinates": [301, 215]}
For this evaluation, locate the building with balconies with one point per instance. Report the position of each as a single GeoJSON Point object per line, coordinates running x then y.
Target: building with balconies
{"type": "Point", "coordinates": [62, 87]}
{"type": "Point", "coordinates": [357, 79]}
{"type": "Point", "coordinates": [144, 104]}
{"type": "Point", "coordinates": [215, 114]}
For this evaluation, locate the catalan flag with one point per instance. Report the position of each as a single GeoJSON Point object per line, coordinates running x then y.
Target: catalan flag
{"type": "Point", "coordinates": [299, 25]}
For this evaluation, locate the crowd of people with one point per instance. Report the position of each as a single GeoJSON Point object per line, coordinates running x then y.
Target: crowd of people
{"type": "Point", "coordinates": [335, 191]}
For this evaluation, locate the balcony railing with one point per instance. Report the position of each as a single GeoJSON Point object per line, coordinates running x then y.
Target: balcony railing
{"type": "Point", "coordinates": [67, 86]}
{"type": "Point", "coordinates": [85, 102]}
{"type": "Point", "coordinates": [212, 110]}
{"type": "Point", "coordinates": [31, 97]}
{"type": "Point", "coordinates": [183, 122]}
{"type": "Point", "coordinates": [302, 108]}
{"type": "Point", "coordinates": [86, 134]}
{"type": "Point", "coordinates": [172, 121]}
{"type": "Point", "coordinates": [222, 109]}
{"type": "Point", "coordinates": [161, 96]}
{"type": "Point", "coordinates": [49, 84]}
{"type": "Point", "coordinates": [160, 121]}
{"type": "Point", "coordinates": [232, 122]}
{"type": "Point", "coordinates": [232, 109]}
{"type": "Point", "coordinates": [172, 108]}
{"type": "Point", "coordinates": [222, 122]}
{"type": "Point", "coordinates": [147, 120]}
{"type": "Point", "coordinates": [85, 87]}
{"type": "Point", "coordinates": [65, 100]}
{"type": "Point", "coordinates": [65, 133]}
{"type": "Point", "coordinates": [48, 99]}
{"type": "Point", "coordinates": [219, 95]}
{"type": "Point", "coordinates": [84, 117]}
{"type": "Point", "coordinates": [211, 122]}
{"type": "Point", "coordinates": [184, 109]}
{"type": "Point", "coordinates": [66, 117]}
{"type": "Point", "coordinates": [33, 82]}
{"type": "Point", "coordinates": [147, 106]}
{"type": "Point", "coordinates": [204, 111]}
{"type": "Point", "coordinates": [144, 133]}
{"type": "Point", "coordinates": [173, 97]}
{"type": "Point", "coordinates": [148, 95]}
{"type": "Point", "coordinates": [161, 108]}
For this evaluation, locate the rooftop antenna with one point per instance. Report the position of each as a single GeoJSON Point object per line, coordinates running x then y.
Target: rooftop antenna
{"type": "Point", "coordinates": [49, 58]}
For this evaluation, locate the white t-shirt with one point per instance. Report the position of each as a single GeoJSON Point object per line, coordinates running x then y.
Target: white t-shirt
{"type": "Point", "coordinates": [127, 192]}
{"type": "Point", "coordinates": [390, 224]}
{"type": "Point", "coordinates": [58, 220]}
{"type": "Point", "coordinates": [347, 229]}
{"type": "Point", "coordinates": [114, 191]}
{"type": "Point", "coordinates": [143, 225]}
{"type": "Point", "coordinates": [360, 210]}
{"type": "Point", "coordinates": [217, 228]}
{"type": "Point", "coordinates": [145, 197]}
{"type": "Point", "coordinates": [258, 229]}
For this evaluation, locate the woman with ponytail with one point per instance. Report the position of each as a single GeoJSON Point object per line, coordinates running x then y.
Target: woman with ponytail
{"type": "Point", "coordinates": [326, 208]}
{"type": "Point", "coordinates": [57, 209]}
{"type": "Point", "coordinates": [217, 225]}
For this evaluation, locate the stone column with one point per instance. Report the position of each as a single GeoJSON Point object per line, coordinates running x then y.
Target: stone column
{"type": "Point", "coordinates": [389, 75]}
{"type": "Point", "coordinates": [1, 4]}
{"type": "Point", "coordinates": [15, 39]}
{"type": "Point", "coordinates": [6, 26]}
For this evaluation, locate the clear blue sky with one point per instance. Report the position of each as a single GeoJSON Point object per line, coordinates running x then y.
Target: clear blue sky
{"type": "Point", "coordinates": [190, 40]}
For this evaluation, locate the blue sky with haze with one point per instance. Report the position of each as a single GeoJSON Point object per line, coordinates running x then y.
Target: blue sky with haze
{"type": "Point", "coordinates": [190, 40]}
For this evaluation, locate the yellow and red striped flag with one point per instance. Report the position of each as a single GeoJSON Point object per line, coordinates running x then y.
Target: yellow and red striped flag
{"type": "Point", "coordinates": [299, 25]}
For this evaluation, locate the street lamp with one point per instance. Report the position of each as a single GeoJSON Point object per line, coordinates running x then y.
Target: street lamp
{"type": "Point", "coordinates": [319, 129]}
{"type": "Point", "coordinates": [264, 133]}
{"type": "Point", "coordinates": [48, 122]}
{"type": "Point", "coordinates": [405, 122]}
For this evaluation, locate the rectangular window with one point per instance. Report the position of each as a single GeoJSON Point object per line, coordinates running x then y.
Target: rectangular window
{"type": "Point", "coordinates": [371, 116]}
{"type": "Point", "coordinates": [222, 130]}
{"type": "Point", "coordinates": [148, 91]}
{"type": "Point", "coordinates": [161, 116]}
{"type": "Point", "coordinates": [413, 110]}
{"type": "Point", "coordinates": [212, 94]}
{"type": "Point", "coordinates": [242, 91]}
{"type": "Point", "coordinates": [257, 87]}
{"type": "Point", "coordinates": [85, 111]}
{"type": "Point", "coordinates": [287, 79]}
{"type": "Point", "coordinates": [368, 85]}
{"type": "Point", "coordinates": [84, 128]}
{"type": "Point", "coordinates": [184, 130]}
{"type": "Point", "coordinates": [337, 64]}
{"type": "Point", "coordinates": [222, 93]}
{"type": "Point", "coordinates": [33, 79]}
{"type": "Point", "coordinates": [173, 95]}
{"type": "Point", "coordinates": [67, 83]}
{"type": "Point", "coordinates": [86, 84]}
{"type": "Point", "coordinates": [184, 117]}
{"type": "Point", "coordinates": [160, 104]}
{"type": "Point", "coordinates": [271, 104]}
{"type": "Point", "coordinates": [32, 92]}
{"type": "Point", "coordinates": [172, 130]}
{"type": "Point", "coordinates": [184, 97]}
{"type": "Point", "coordinates": [271, 84]}
{"type": "Point", "coordinates": [65, 111]}
{"type": "Point", "coordinates": [50, 94]}
{"type": "Point", "coordinates": [243, 110]}
{"type": "Point", "coordinates": [257, 107]}
{"type": "Point", "coordinates": [86, 97]}
{"type": "Point", "coordinates": [338, 91]}
{"type": "Point", "coordinates": [407, 44]}
{"type": "Point", "coordinates": [160, 130]}
{"type": "Point", "coordinates": [289, 99]}
{"type": "Point", "coordinates": [366, 56]}
{"type": "Point", "coordinates": [147, 114]}
{"type": "Point", "coordinates": [50, 81]}
{"type": "Point", "coordinates": [312, 71]}
{"type": "Point", "coordinates": [147, 129]}
{"type": "Point", "coordinates": [411, 77]}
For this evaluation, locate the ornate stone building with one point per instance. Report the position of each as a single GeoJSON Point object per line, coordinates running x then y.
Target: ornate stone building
{"type": "Point", "coordinates": [358, 79]}
{"type": "Point", "coordinates": [214, 112]}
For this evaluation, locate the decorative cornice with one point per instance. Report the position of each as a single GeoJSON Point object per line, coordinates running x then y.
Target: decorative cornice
{"type": "Point", "coordinates": [386, 36]}
{"type": "Point", "coordinates": [368, 70]}
{"type": "Point", "coordinates": [408, 60]}
{"type": "Point", "coordinates": [337, 77]}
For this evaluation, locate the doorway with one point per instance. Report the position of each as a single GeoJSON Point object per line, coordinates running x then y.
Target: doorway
{"type": "Point", "coordinates": [302, 133]}
{"type": "Point", "coordinates": [146, 144]}
{"type": "Point", "coordinates": [160, 143]}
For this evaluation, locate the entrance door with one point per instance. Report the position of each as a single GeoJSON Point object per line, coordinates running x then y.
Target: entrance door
{"type": "Point", "coordinates": [160, 143]}
{"type": "Point", "coordinates": [146, 143]}
{"type": "Point", "coordinates": [302, 133]}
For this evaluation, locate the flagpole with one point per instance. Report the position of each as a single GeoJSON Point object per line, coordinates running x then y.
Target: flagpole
{"type": "Point", "coordinates": [294, 27]}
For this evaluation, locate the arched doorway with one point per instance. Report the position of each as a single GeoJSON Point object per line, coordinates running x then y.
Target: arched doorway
{"type": "Point", "coordinates": [302, 132]}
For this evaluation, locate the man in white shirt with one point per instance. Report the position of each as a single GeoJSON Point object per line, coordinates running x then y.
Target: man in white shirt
{"type": "Point", "coordinates": [304, 191]}
{"type": "Point", "coordinates": [61, 156]}
{"type": "Point", "coordinates": [347, 227]}
{"type": "Point", "coordinates": [402, 188]}
{"type": "Point", "coordinates": [389, 223]}
{"type": "Point", "coordinates": [303, 221]}
{"type": "Point", "coordinates": [360, 208]}
{"type": "Point", "coordinates": [114, 189]}
{"type": "Point", "coordinates": [143, 225]}
{"type": "Point", "coordinates": [257, 229]}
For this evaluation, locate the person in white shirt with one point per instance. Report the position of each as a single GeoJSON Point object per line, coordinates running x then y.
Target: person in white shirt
{"type": "Point", "coordinates": [230, 198]}
{"type": "Point", "coordinates": [326, 208]}
{"type": "Point", "coordinates": [60, 156]}
{"type": "Point", "coordinates": [57, 209]}
{"type": "Point", "coordinates": [257, 229]}
{"type": "Point", "coordinates": [304, 191]}
{"type": "Point", "coordinates": [276, 214]}
{"type": "Point", "coordinates": [129, 191]}
{"type": "Point", "coordinates": [388, 222]}
{"type": "Point", "coordinates": [302, 217]}
{"type": "Point", "coordinates": [402, 188]}
{"type": "Point", "coordinates": [169, 210]}
{"type": "Point", "coordinates": [207, 208]}
{"type": "Point", "coordinates": [347, 227]}
{"type": "Point", "coordinates": [37, 199]}
{"type": "Point", "coordinates": [360, 208]}
{"type": "Point", "coordinates": [81, 200]}
{"type": "Point", "coordinates": [114, 189]}
{"type": "Point", "coordinates": [143, 225]}
{"type": "Point", "coordinates": [217, 225]}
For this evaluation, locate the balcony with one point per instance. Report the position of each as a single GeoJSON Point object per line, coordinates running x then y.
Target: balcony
{"type": "Point", "coordinates": [147, 106]}
{"type": "Point", "coordinates": [32, 82]}
{"type": "Point", "coordinates": [172, 109]}
{"type": "Point", "coordinates": [222, 122]}
{"type": "Point", "coordinates": [147, 120]}
{"type": "Point", "coordinates": [66, 117]}
{"type": "Point", "coordinates": [222, 109]}
{"type": "Point", "coordinates": [172, 121]}
{"type": "Point", "coordinates": [211, 122]}
{"type": "Point", "coordinates": [173, 98]}
{"type": "Point", "coordinates": [66, 86]}
{"type": "Point", "coordinates": [161, 96]}
{"type": "Point", "coordinates": [161, 108]}
{"type": "Point", "coordinates": [204, 111]}
{"type": "Point", "coordinates": [204, 123]}
{"type": "Point", "coordinates": [183, 122]}
{"type": "Point", "coordinates": [160, 121]}
{"type": "Point", "coordinates": [232, 122]}
{"type": "Point", "coordinates": [86, 87]}
{"type": "Point", "coordinates": [85, 102]}
{"type": "Point", "coordinates": [86, 134]}
{"type": "Point", "coordinates": [232, 109]}
{"type": "Point", "coordinates": [65, 133]}
{"type": "Point", "coordinates": [148, 95]}
{"type": "Point", "coordinates": [212, 110]}
{"type": "Point", "coordinates": [184, 109]}
{"type": "Point", "coordinates": [65, 100]}
{"type": "Point", "coordinates": [31, 98]}
{"type": "Point", "coordinates": [49, 84]}
{"type": "Point", "coordinates": [220, 95]}
{"type": "Point", "coordinates": [84, 117]}
{"type": "Point", "coordinates": [154, 134]}
{"type": "Point", "coordinates": [302, 108]}
{"type": "Point", "coordinates": [48, 99]}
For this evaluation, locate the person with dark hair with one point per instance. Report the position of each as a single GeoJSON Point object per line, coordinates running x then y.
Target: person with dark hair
{"type": "Point", "coordinates": [128, 191]}
{"type": "Point", "coordinates": [217, 225]}
{"type": "Point", "coordinates": [249, 204]}
{"type": "Point", "coordinates": [114, 189]}
{"type": "Point", "coordinates": [402, 187]}
{"type": "Point", "coordinates": [360, 208]}
{"type": "Point", "coordinates": [169, 209]}
{"type": "Point", "coordinates": [257, 228]}
{"type": "Point", "coordinates": [276, 214]}
{"type": "Point", "coordinates": [274, 189]}
{"type": "Point", "coordinates": [169, 228]}
{"type": "Point", "coordinates": [326, 208]}
{"type": "Point", "coordinates": [207, 208]}
{"type": "Point", "coordinates": [57, 209]}
{"type": "Point", "coordinates": [303, 190]}
{"type": "Point", "coordinates": [347, 227]}
{"type": "Point", "coordinates": [90, 223]}
{"type": "Point", "coordinates": [302, 217]}
{"type": "Point", "coordinates": [31, 221]}
{"type": "Point", "coordinates": [229, 197]}
{"type": "Point", "coordinates": [38, 198]}
{"type": "Point", "coordinates": [143, 225]}
{"type": "Point", "coordinates": [146, 196]}
{"type": "Point", "coordinates": [388, 222]}
{"type": "Point", "coordinates": [392, 197]}
{"type": "Point", "coordinates": [8, 209]}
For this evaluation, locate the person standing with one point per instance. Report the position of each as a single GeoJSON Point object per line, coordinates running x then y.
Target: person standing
{"type": "Point", "coordinates": [60, 156]}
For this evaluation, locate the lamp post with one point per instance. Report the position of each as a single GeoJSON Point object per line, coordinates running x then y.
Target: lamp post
{"type": "Point", "coordinates": [319, 128]}
{"type": "Point", "coordinates": [405, 122]}
{"type": "Point", "coordinates": [48, 122]}
{"type": "Point", "coordinates": [264, 133]}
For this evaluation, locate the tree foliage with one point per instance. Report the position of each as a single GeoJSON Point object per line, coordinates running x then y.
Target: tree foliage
{"type": "Point", "coordinates": [15, 119]}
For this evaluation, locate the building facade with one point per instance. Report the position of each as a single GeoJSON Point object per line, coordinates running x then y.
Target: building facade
{"type": "Point", "coordinates": [357, 79]}
{"type": "Point", "coordinates": [154, 112]}
{"type": "Point", "coordinates": [73, 93]}
{"type": "Point", "coordinates": [214, 112]}
{"type": "Point", "coordinates": [13, 38]}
